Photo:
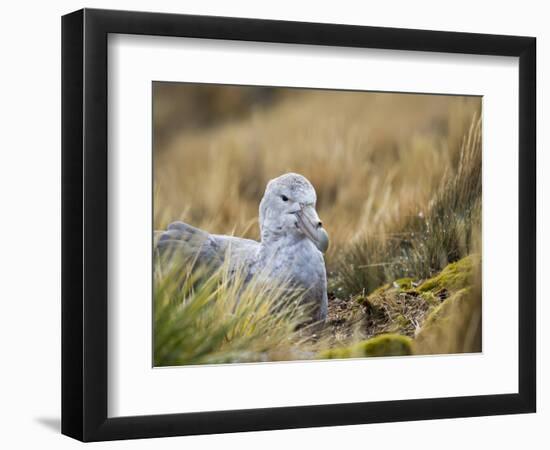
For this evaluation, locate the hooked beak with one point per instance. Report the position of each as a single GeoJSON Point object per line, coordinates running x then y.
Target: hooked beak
{"type": "Point", "coordinates": [312, 227]}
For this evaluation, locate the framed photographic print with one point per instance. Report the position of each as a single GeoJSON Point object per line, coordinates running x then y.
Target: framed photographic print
{"type": "Point", "coordinates": [273, 224]}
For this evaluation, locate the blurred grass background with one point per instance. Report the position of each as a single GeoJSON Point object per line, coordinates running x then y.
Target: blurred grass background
{"type": "Point", "coordinates": [398, 180]}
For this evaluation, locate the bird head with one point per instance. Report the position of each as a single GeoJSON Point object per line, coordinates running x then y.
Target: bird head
{"type": "Point", "coordinates": [288, 209]}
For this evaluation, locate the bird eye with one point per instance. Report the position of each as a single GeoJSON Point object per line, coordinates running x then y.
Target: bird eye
{"type": "Point", "coordinates": [284, 198]}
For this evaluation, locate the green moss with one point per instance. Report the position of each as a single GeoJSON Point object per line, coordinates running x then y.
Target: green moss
{"type": "Point", "coordinates": [387, 345]}
{"type": "Point", "coordinates": [381, 290]}
{"type": "Point", "coordinates": [445, 309]}
{"type": "Point", "coordinates": [404, 284]}
{"type": "Point", "coordinates": [430, 298]}
{"type": "Point", "coordinates": [382, 345]}
{"type": "Point", "coordinates": [454, 326]}
{"type": "Point", "coordinates": [360, 299]}
{"type": "Point", "coordinates": [374, 296]}
{"type": "Point", "coordinates": [402, 321]}
{"type": "Point", "coordinates": [336, 353]}
{"type": "Point", "coordinates": [454, 277]}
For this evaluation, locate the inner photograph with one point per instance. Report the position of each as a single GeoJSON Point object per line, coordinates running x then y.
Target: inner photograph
{"type": "Point", "coordinates": [314, 224]}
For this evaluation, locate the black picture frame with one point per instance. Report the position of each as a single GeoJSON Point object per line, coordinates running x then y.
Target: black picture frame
{"type": "Point", "coordinates": [84, 224]}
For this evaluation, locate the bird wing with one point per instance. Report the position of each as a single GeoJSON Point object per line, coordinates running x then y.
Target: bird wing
{"type": "Point", "coordinates": [185, 241]}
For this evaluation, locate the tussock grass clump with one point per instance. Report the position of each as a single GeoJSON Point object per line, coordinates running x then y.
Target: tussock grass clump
{"type": "Point", "coordinates": [424, 244]}
{"type": "Point", "coordinates": [211, 316]}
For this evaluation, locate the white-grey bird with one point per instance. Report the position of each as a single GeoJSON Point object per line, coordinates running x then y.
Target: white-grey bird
{"type": "Point", "coordinates": [292, 244]}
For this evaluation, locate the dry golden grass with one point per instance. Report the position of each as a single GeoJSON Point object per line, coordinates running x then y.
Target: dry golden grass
{"type": "Point", "coordinates": [446, 229]}
{"type": "Point", "coordinates": [372, 157]}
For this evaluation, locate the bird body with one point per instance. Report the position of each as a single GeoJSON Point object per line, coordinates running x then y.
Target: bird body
{"type": "Point", "coordinates": [291, 248]}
